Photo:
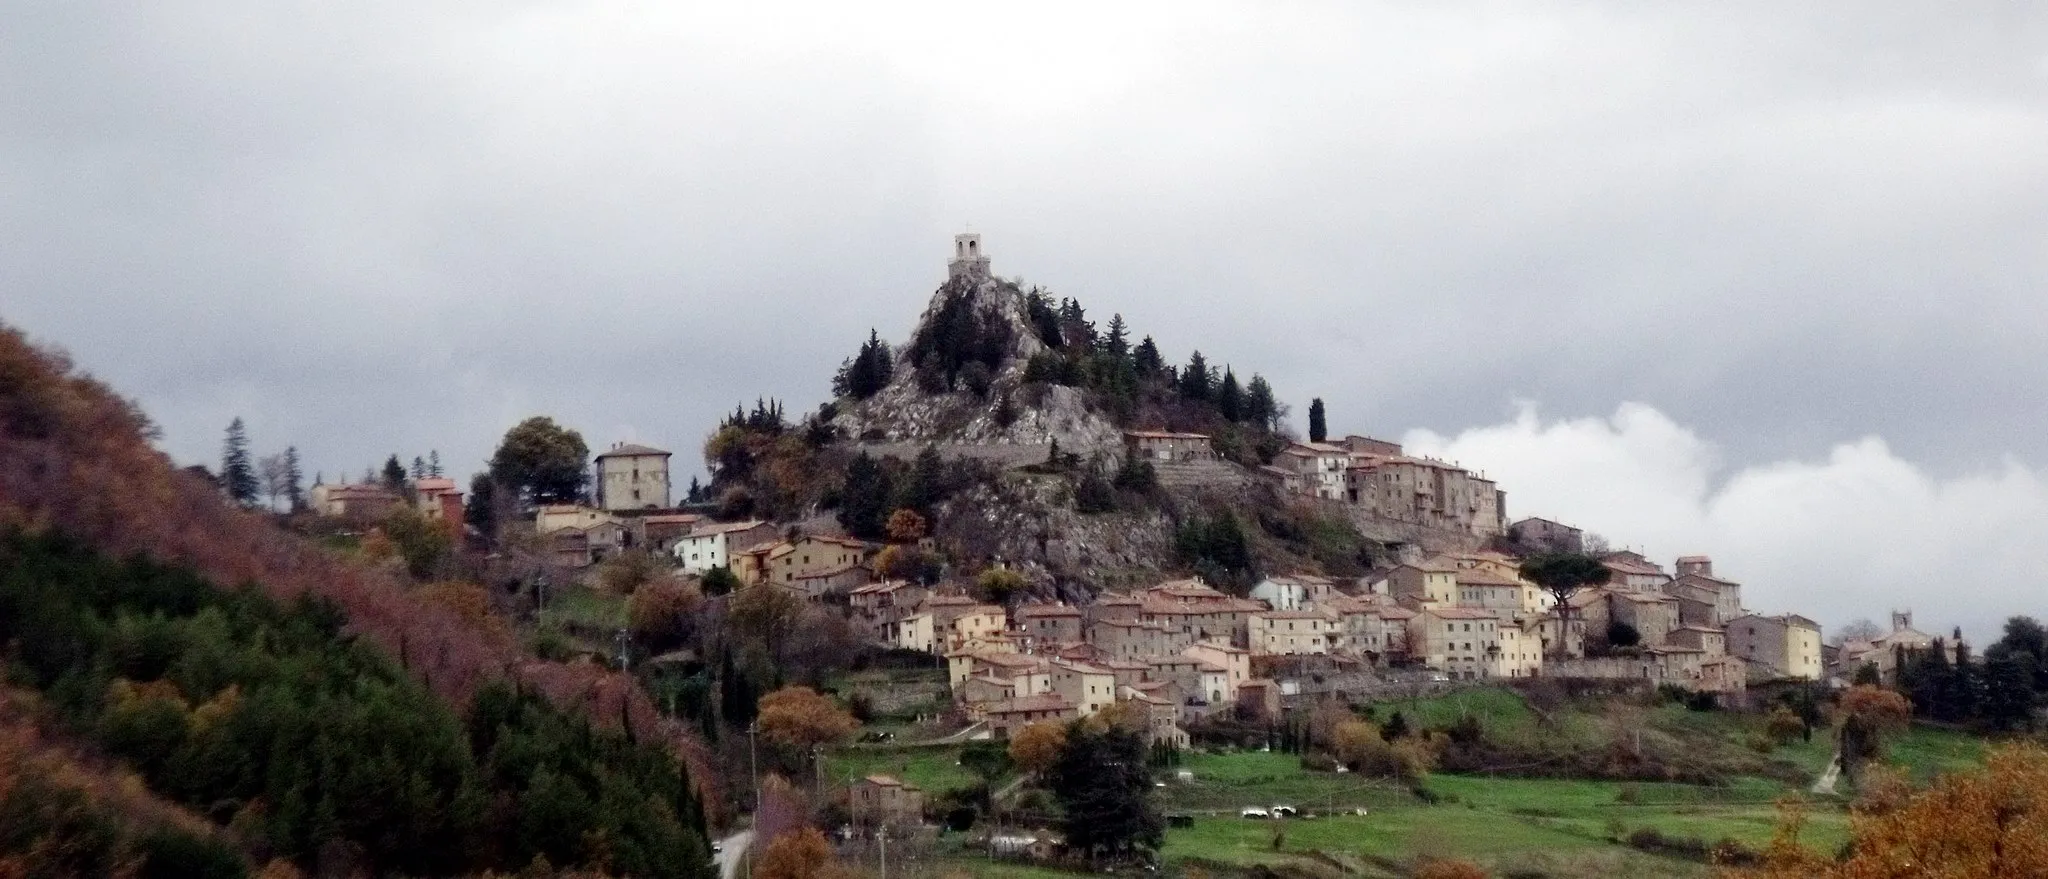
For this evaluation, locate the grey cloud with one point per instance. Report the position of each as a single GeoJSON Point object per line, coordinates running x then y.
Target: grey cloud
{"type": "Point", "coordinates": [404, 226]}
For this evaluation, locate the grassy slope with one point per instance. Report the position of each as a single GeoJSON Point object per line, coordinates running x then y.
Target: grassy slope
{"type": "Point", "coordinates": [1563, 827]}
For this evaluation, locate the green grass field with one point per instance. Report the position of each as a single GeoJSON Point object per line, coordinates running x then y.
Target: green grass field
{"type": "Point", "coordinates": [933, 768]}
{"type": "Point", "coordinates": [1561, 828]}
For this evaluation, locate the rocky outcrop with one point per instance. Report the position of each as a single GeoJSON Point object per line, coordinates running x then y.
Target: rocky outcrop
{"type": "Point", "coordinates": [910, 410]}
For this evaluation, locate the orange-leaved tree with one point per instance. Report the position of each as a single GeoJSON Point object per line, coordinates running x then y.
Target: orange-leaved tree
{"type": "Point", "coordinates": [1983, 823]}
{"type": "Point", "coordinates": [1035, 747]}
{"type": "Point", "coordinates": [801, 854]}
{"type": "Point", "coordinates": [803, 718]}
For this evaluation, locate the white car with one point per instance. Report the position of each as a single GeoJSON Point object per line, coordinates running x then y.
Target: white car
{"type": "Point", "coordinates": [1283, 811]}
{"type": "Point", "coordinates": [1253, 812]}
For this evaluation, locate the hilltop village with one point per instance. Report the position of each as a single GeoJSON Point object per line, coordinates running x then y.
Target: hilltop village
{"type": "Point", "coordinates": [1450, 605]}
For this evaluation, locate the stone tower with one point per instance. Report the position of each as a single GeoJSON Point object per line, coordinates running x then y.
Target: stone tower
{"type": "Point", "coordinates": [969, 260]}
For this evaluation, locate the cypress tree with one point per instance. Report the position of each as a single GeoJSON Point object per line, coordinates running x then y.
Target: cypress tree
{"type": "Point", "coordinates": [1229, 397]}
{"type": "Point", "coordinates": [294, 479]}
{"type": "Point", "coordinates": [1318, 424]}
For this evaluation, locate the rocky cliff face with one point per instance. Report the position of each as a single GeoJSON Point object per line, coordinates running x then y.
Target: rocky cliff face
{"type": "Point", "coordinates": [917, 407]}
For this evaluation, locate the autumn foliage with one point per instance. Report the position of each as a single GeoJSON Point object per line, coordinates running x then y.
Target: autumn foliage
{"type": "Point", "coordinates": [1985, 823]}
{"type": "Point", "coordinates": [801, 717]}
{"type": "Point", "coordinates": [801, 854]}
{"type": "Point", "coordinates": [76, 457]}
{"type": "Point", "coordinates": [1450, 869]}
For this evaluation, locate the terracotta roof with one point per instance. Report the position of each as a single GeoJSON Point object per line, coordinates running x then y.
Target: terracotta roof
{"type": "Point", "coordinates": [1048, 610]}
{"type": "Point", "coordinates": [672, 518]}
{"type": "Point", "coordinates": [1483, 577]}
{"type": "Point", "coordinates": [1462, 613]}
{"type": "Point", "coordinates": [713, 528]}
{"type": "Point", "coordinates": [1628, 566]}
{"type": "Point", "coordinates": [883, 586]}
{"type": "Point", "coordinates": [1044, 702]}
{"type": "Point", "coordinates": [1164, 434]}
{"type": "Point", "coordinates": [1293, 615]}
{"type": "Point", "coordinates": [435, 483]}
{"type": "Point", "coordinates": [1396, 612]}
{"type": "Point", "coordinates": [1079, 667]}
{"type": "Point", "coordinates": [1318, 448]}
{"type": "Point", "coordinates": [630, 450]}
{"type": "Point", "coordinates": [1702, 577]}
{"type": "Point", "coordinates": [1118, 598]}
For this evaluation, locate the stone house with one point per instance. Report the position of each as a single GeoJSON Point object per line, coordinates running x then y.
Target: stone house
{"type": "Point", "coordinates": [632, 477]}
{"type": "Point", "coordinates": [1697, 585]}
{"type": "Point", "coordinates": [1652, 614]}
{"type": "Point", "coordinates": [1459, 641]}
{"type": "Point", "coordinates": [914, 632]}
{"type": "Point", "coordinates": [1785, 646]}
{"type": "Point", "coordinates": [1631, 572]}
{"type": "Point", "coordinates": [1006, 718]}
{"type": "Point", "coordinates": [883, 800]}
{"type": "Point", "coordinates": [1709, 641]}
{"type": "Point", "coordinates": [1051, 623]}
{"type": "Point", "coordinates": [1321, 467]}
{"type": "Point", "coordinates": [1541, 533]}
{"type": "Point", "coordinates": [1294, 633]}
{"type": "Point", "coordinates": [1483, 588]}
{"type": "Point", "coordinates": [1168, 447]}
{"type": "Point", "coordinates": [1161, 716]}
{"type": "Point", "coordinates": [1086, 687]}
{"type": "Point", "coordinates": [1292, 591]}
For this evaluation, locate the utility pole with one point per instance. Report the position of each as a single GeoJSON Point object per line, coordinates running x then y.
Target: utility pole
{"type": "Point", "coordinates": [625, 650]}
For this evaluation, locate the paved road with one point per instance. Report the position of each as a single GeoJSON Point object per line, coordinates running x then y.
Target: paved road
{"type": "Point", "coordinates": [729, 860]}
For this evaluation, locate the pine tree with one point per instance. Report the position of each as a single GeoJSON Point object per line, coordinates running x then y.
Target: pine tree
{"type": "Point", "coordinates": [1260, 408]}
{"type": "Point", "coordinates": [1146, 358]}
{"type": "Point", "coordinates": [1196, 379]}
{"type": "Point", "coordinates": [237, 471]}
{"type": "Point", "coordinates": [434, 463]}
{"type": "Point", "coordinates": [295, 479]}
{"type": "Point", "coordinates": [1117, 343]}
{"type": "Point", "coordinates": [864, 501]}
{"type": "Point", "coordinates": [394, 475]}
{"type": "Point", "coordinates": [482, 512]}
{"type": "Point", "coordinates": [1229, 397]}
{"type": "Point", "coordinates": [1318, 425]}
{"type": "Point", "coordinates": [419, 468]}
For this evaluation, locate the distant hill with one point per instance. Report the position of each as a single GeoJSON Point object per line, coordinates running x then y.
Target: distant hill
{"type": "Point", "coordinates": [77, 466]}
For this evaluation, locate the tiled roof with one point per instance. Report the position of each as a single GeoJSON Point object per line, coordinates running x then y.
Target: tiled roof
{"type": "Point", "coordinates": [708, 529]}
{"type": "Point", "coordinates": [1462, 613]}
{"type": "Point", "coordinates": [1048, 610]}
{"type": "Point", "coordinates": [1045, 702]}
{"type": "Point", "coordinates": [631, 450]}
{"type": "Point", "coordinates": [1164, 434]}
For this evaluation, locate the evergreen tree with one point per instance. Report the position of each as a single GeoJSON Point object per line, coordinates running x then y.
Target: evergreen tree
{"type": "Point", "coordinates": [1196, 379]}
{"type": "Point", "coordinates": [1318, 425]}
{"type": "Point", "coordinates": [864, 501]}
{"type": "Point", "coordinates": [923, 484]}
{"type": "Point", "coordinates": [1145, 358]}
{"type": "Point", "coordinates": [1230, 397]}
{"type": "Point", "coordinates": [2008, 688]}
{"type": "Point", "coordinates": [419, 468]}
{"type": "Point", "coordinates": [1117, 343]}
{"type": "Point", "coordinates": [394, 475]}
{"type": "Point", "coordinates": [237, 470]}
{"type": "Point", "coordinates": [434, 463]}
{"type": "Point", "coordinates": [1260, 407]}
{"type": "Point", "coordinates": [295, 479]}
{"type": "Point", "coordinates": [1105, 793]}
{"type": "Point", "coordinates": [482, 512]}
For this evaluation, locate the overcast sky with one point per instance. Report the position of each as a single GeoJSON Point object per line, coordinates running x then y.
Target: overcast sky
{"type": "Point", "coordinates": [1710, 256]}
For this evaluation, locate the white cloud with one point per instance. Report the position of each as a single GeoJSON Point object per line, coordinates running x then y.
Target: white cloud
{"type": "Point", "coordinates": [1854, 534]}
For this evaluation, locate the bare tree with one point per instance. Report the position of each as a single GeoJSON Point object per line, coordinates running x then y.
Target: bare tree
{"type": "Point", "coordinates": [274, 474]}
{"type": "Point", "coordinates": [1595, 544]}
{"type": "Point", "coordinates": [1858, 630]}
